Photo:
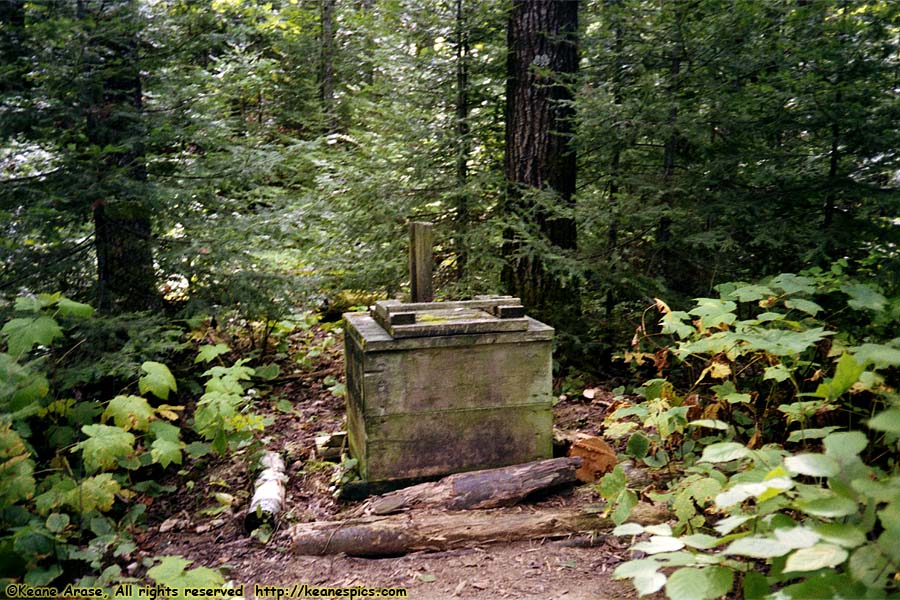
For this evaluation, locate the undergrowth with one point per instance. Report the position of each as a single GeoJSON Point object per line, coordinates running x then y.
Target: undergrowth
{"type": "Point", "coordinates": [774, 407]}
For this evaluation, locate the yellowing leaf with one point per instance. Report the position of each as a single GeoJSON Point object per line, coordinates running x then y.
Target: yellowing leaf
{"type": "Point", "coordinates": [167, 411]}
{"type": "Point", "coordinates": [129, 412]}
{"type": "Point", "coordinates": [104, 446]}
{"type": "Point", "coordinates": [94, 493]}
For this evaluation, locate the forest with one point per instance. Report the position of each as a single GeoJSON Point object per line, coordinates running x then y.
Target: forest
{"type": "Point", "coordinates": [701, 197]}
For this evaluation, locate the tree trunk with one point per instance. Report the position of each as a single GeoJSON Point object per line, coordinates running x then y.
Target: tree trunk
{"type": "Point", "coordinates": [490, 488]}
{"type": "Point", "coordinates": [542, 55]}
{"type": "Point", "coordinates": [436, 530]}
{"type": "Point", "coordinates": [126, 279]}
{"type": "Point", "coordinates": [327, 65]}
{"type": "Point", "coordinates": [463, 145]}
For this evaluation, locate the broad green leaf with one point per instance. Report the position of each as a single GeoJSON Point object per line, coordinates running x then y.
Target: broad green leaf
{"type": "Point", "coordinates": [749, 293]}
{"type": "Point", "coordinates": [784, 342]}
{"type": "Point", "coordinates": [172, 571]}
{"type": "Point", "coordinates": [613, 483]}
{"type": "Point", "coordinates": [70, 308]}
{"type": "Point", "coordinates": [862, 297]}
{"type": "Point", "coordinates": [673, 323]}
{"type": "Point", "coordinates": [714, 312]}
{"type": "Point", "coordinates": [94, 493]}
{"type": "Point", "coordinates": [56, 522]}
{"type": "Point", "coordinates": [825, 584]}
{"type": "Point", "coordinates": [757, 547]}
{"type": "Point", "coordinates": [779, 373]}
{"type": "Point", "coordinates": [793, 284]}
{"type": "Point", "coordinates": [845, 444]}
{"type": "Point", "coordinates": [624, 503]}
{"type": "Point", "coordinates": [166, 452]}
{"type": "Point", "coordinates": [807, 306]}
{"type": "Point", "coordinates": [628, 529]}
{"type": "Point", "coordinates": [104, 446]}
{"type": "Point", "coordinates": [638, 445]}
{"type": "Point", "coordinates": [699, 584]}
{"type": "Point", "coordinates": [878, 355]}
{"type": "Point", "coordinates": [762, 490]}
{"type": "Point", "coordinates": [41, 577]}
{"type": "Point", "coordinates": [268, 372]}
{"type": "Point", "coordinates": [165, 431]}
{"type": "Point", "coordinates": [729, 524]}
{"type": "Point", "coordinates": [633, 568]}
{"type": "Point", "coordinates": [871, 566]}
{"type": "Point", "coordinates": [754, 586]}
{"type": "Point", "coordinates": [819, 556]}
{"type": "Point", "coordinates": [16, 468]}
{"type": "Point", "coordinates": [157, 380]}
{"type": "Point", "coordinates": [814, 465]}
{"type": "Point", "coordinates": [209, 352]}
{"type": "Point", "coordinates": [724, 452]}
{"type": "Point", "coordinates": [829, 506]}
{"type": "Point", "coordinates": [887, 420]}
{"type": "Point", "coordinates": [797, 537]}
{"type": "Point", "coordinates": [810, 434]}
{"type": "Point", "coordinates": [24, 333]}
{"type": "Point", "coordinates": [129, 412]}
{"type": "Point", "coordinates": [701, 541]}
{"type": "Point", "coordinates": [659, 543]}
{"type": "Point", "coordinates": [842, 534]}
{"type": "Point", "coordinates": [847, 373]}
{"type": "Point", "coordinates": [236, 371]}
{"type": "Point", "coordinates": [660, 529]}
{"type": "Point", "coordinates": [29, 304]}
{"type": "Point", "coordinates": [648, 583]}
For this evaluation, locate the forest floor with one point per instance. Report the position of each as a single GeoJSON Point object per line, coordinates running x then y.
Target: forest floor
{"type": "Point", "coordinates": [198, 527]}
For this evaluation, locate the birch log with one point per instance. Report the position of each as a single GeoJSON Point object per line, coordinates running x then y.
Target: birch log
{"type": "Point", "coordinates": [268, 497]}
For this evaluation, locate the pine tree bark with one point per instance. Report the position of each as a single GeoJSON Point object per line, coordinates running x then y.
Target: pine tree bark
{"type": "Point", "coordinates": [126, 280]}
{"type": "Point", "coordinates": [542, 54]}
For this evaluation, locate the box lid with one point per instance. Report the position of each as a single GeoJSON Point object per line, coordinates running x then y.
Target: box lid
{"type": "Point", "coordinates": [485, 314]}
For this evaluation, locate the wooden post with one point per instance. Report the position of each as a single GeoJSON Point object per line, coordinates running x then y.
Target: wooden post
{"type": "Point", "coordinates": [421, 261]}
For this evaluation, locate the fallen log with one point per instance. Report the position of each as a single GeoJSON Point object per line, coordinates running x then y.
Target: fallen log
{"type": "Point", "coordinates": [269, 495]}
{"type": "Point", "coordinates": [394, 535]}
{"type": "Point", "coordinates": [490, 488]}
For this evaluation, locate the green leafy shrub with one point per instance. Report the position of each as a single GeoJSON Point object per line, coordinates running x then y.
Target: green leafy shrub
{"type": "Point", "coordinates": [71, 462]}
{"type": "Point", "coordinates": [789, 427]}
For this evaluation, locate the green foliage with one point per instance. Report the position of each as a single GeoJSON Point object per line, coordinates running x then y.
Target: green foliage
{"type": "Point", "coordinates": [68, 466]}
{"type": "Point", "coordinates": [799, 523]}
{"type": "Point", "coordinates": [223, 414]}
{"type": "Point", "coordinates": [172, 571]}
{"type": "Point", "coordinates": [157, 379]}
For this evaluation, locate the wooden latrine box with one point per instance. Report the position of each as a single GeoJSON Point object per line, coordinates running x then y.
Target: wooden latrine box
{"type": "Point", "coordinates": [443, 387]}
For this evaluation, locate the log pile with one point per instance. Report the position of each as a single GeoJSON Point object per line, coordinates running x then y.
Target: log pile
{"type": "Point", "coordinates": [461, 510]}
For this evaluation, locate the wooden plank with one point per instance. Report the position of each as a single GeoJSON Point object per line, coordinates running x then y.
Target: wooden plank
{"type": "Point", "coordinates": [457, 327]}
{"type": "Point", "coordinates": [373, 337]}
{"type": "Point", "coordinates": [421, 261]}
{"type": "Point", "coordinates": [386, 307]}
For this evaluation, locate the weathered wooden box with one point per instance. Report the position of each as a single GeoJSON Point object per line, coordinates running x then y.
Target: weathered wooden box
{"type": "Point", "coordinates": [443, 387]}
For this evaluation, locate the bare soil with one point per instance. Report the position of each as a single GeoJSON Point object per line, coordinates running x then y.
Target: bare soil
{"type": "Point", "coordinates": [195, 524]}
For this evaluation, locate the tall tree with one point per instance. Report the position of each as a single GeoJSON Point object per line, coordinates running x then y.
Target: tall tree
{"type": "Point", "coordinates": [112, 106]}
{"type": "Point", "coordinates": [542, 57]}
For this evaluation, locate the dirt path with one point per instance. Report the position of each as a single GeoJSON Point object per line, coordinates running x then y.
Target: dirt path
{"type": "Point", "coordinates": [200, 527]}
